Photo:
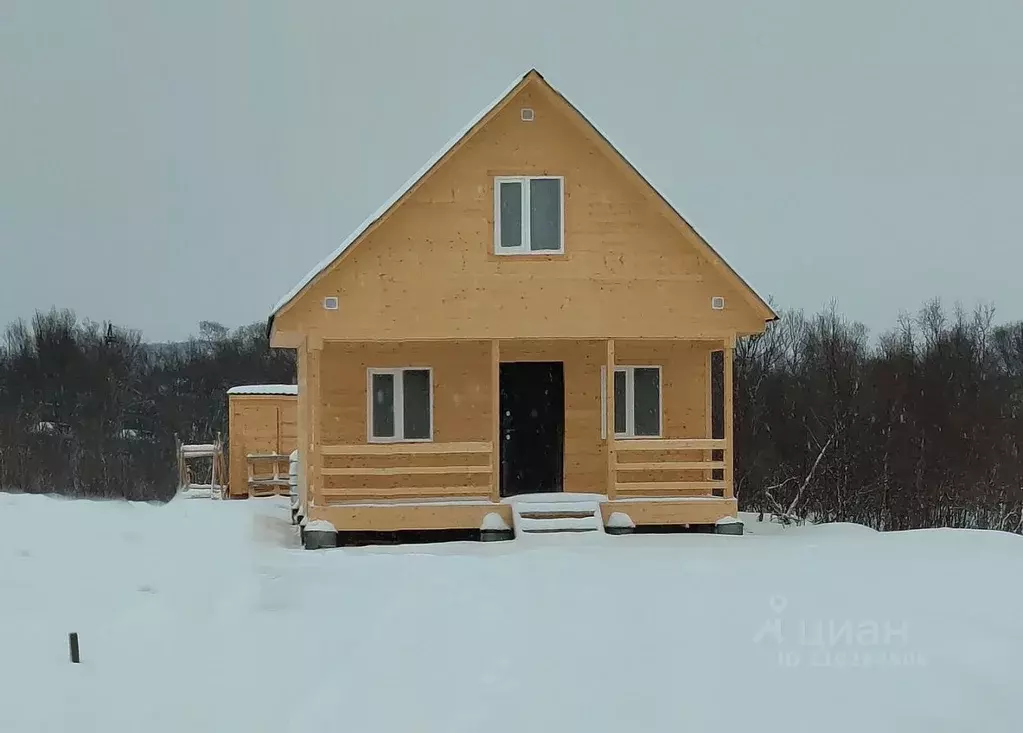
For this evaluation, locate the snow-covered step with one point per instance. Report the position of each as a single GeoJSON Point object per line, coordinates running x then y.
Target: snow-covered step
{"type": "Point", "coordinates": [561, 507]}
{"type": "Point", "coordinates": [559, 524]}
{"type": "Point", "coordinates": [544, 516]}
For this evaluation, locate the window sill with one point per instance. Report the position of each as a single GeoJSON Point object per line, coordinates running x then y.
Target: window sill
{"type": "Point", "coordinates": [547, 255]}
{"type": "Point", "coordinates": [399, 440]}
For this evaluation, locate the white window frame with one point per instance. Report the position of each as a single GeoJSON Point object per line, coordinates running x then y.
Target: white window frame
{"type": "Point", "coordinates": [630, 401]}
{"type": "Point", "coordinates": [524, 245]}
{"type": "Point", "coordinates": [399, 404]}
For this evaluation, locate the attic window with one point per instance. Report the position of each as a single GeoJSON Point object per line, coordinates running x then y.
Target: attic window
{"type": "Point", "coordinates": [529, 215]}
{"type": "Point", "coordinates": [330, 303]}
{"type": "Point", "coordinates": [527, 114]}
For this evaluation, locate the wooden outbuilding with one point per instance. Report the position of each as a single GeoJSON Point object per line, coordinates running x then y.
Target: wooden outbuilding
{"type": "Point", "coordinates": [527, 315]}
{"type": "Point", "coordinates": [262, 433]}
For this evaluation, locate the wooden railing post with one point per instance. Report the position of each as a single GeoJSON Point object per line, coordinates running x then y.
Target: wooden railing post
{"type": "Point", "coordinates": [302, 428]}
{"type": "Point", "coordinates": [708, 455]}
{"type": "Point", "coordinates": [314, 470]}
{"type": "Point", "coordinates": [495, 419]}
{"type": "Point", "coordinates": [729, 440]}
{"type": "Point", "coordinates": [609, 390]}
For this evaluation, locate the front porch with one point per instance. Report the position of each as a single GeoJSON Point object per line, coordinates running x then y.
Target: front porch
{"type": "Point", "coordinates": [453, 478]}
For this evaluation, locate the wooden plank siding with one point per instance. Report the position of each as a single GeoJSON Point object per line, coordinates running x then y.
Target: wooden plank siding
{"type": "Point", "coordinates": [666, 467]}
{"type": "Point", "coordinates": [258, 424]}
{"type": "Point", "coordinates": [387, 471]}
{"type": "Point", "coordinates": [429, 272]}
{"type": "Point", "coordinates": [463, 414]}
{"type": "Point", "coordinates": [647, 511]}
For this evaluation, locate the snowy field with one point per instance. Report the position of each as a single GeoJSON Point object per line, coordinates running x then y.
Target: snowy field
{"type": "Point", "coordinates": [204, 616]}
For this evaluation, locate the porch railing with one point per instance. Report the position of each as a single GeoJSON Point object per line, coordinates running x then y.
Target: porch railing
{"type": "Point", "coordinates": [398, 471]}
{"type": "Point", "coordinates": [664, 467]}
{"type": "Point", "coordinates": [267, 473]}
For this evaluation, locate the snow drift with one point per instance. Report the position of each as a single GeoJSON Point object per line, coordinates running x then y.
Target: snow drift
{"type": "Point", "coordinates": [206, 616]}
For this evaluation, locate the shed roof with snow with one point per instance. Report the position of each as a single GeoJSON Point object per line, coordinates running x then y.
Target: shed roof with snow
{"type": "Point", "coordinates": [264, 389]}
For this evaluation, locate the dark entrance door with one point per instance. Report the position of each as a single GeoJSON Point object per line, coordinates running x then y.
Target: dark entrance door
{"type": "Point", "coordinates": [532, 427]}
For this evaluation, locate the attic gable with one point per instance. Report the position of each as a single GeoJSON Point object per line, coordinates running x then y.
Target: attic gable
{"type": "Point", "coordinates": [536, 85]}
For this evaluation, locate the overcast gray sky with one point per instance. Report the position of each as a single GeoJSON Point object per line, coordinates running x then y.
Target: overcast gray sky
{"type": "Point", "coordinates": [167, 162]}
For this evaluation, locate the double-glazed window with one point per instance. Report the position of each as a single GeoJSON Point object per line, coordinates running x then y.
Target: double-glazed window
{"type": "Point", "coordinates": [400, 404]}
{"type": "Point", "coordinates": [637, 402]}
{"type": "Point", "coordinates": [529, 215]}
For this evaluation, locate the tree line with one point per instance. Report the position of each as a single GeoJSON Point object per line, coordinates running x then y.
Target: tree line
{"type": "Point", "coordinates": [92, 411]}
{"type": "Point", "coordinates": [919, 427]}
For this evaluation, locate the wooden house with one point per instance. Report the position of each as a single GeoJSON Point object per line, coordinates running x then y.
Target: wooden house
{"type": "Point", "coordinates": [262, 433]}
{"type": "Point", "coordinates": [527, 315]}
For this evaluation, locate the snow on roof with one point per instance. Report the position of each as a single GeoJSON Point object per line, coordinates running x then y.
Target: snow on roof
{"type": "Point", "coordinates": [393, 200]}
{"type": "Point", "coordinates": [361, 229]}
{"type": "Point", "coordinates": [265, 389]}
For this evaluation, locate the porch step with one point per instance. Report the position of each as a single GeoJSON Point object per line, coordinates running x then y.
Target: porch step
{"type": "Point", "coordinates": [556, 515]}
{"type": "Point", "coordinates": [548, 517]}
{"type": "Point", "coordinates": [564, 524]}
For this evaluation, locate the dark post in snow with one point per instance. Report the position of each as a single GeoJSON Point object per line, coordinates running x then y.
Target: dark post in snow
{"type": "Point", "coordinates": [72, 640]}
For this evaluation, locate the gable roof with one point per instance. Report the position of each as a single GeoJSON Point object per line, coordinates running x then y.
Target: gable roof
{"type": "Point", "coordinates": [463, 135]}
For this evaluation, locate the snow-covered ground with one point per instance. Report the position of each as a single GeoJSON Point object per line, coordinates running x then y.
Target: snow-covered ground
{"type": "Point", "coordinates": [205, 616]}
